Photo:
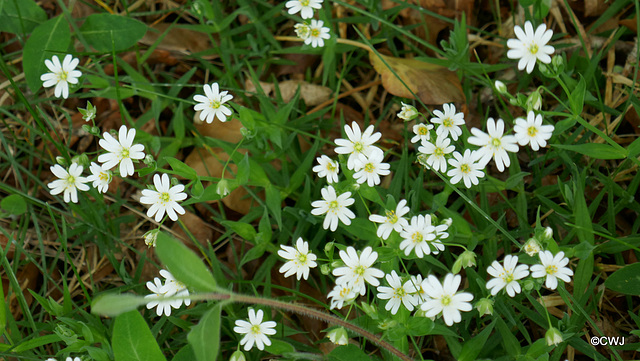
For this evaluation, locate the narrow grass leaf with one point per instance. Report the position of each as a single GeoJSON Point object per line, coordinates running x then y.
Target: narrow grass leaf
{"type": "Point", "coordinates": [204, 337]}
{"type": "Point", "coordinates": [594, 150]}
{"type": "Point", "coordinates": [625, 280]}
{"type": "Point", "coordinates": [509, 341]}
{"type": "Point", "coordinates": [472, 348]}
{"type": "Point", "coordinates": [184, 264]}
{"type": "Point", "coordinates": [107, 32]}
{"type": "Point", "coordinates": [49, 38]}
{"type": "Point", "coordinates": [112, 304]}
{"type": "Point", "coordinates": [133, 341]}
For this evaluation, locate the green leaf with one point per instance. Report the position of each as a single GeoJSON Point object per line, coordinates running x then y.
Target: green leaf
{"type": "Point", "coordinates": [204, 338]}
{"type": "Point", "coordinates": [107, 32]}
{"type": "Point", "coordinates": [576, 99]}
{"type": "Point", "coordinates": [184, 264]}
{"type": "Point", "coordinates": [132, 340]}
{"type": "Point", "coordinates": [348, 353]}
{"type": "Point", "coordinates": [50, 38]}
{"type": "Point", "coordinates": [625, 280]}
{"type": "Point", "coordinates": [509, 341]}
{"type": "Point", "coordinates": [594, 150]}
{"type": "Point", "coordinates": [244, 169]}
{"type": "Point", "coordinates": [473, 347]}
{"type": "Point", "coordinates": [634, 148]}
{"type": "Point", "coordinates": [111, 304]}
{"type": "Point", "coordinates": [14, 204]}
{"type": "Point", "coordinates": [279, 347]}
{"type": "Point", "coordinates": [21, 19]}
{"type": "Point", "coordinates": [274, 203]}
{"type": "Point", "coordinates": [243, 230]}
{"type": "Point", "coordinates": [420, 326]}
{"type": "Point", "coordinates": [181, 168]}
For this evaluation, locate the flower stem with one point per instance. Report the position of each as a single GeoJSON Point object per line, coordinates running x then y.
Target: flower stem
{"type": "Point", "coordinates": [303, 310]}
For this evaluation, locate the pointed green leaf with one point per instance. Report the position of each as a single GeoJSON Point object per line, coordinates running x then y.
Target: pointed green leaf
{"type": "Point", "coordinates": [106, 32]}
{"type": "Point", "coordinates": [132, 340]}
{"type": "Point", "coordinates": [576, 99]}
{"type": "Point", "coordinates": [594, 150]}
{"type": "Point", "coordinates": [625, 280]}
{"type": "Point", "coordinates": [473, 347]}
{"type": "Point", "coordinates": [184, 264]}
{"type": "Point", "coordinates": [204, 338]}
{"type": "Point", "coordinates": [112, 304]}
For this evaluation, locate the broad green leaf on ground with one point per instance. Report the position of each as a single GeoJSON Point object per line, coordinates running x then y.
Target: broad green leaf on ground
{"type": "Point", "coordinates": [204, 337]}
{"type": "Point", "coordinates": [115, 304]}
{"type": "Point", "coordinates": [184, 264]}
{"type": "Point", "coordinates": [433, 84]}
{"type": "Point", "coordinates": [132, 340]}
{"type": "Point", "coordinates": [106, 32]}
{"type": "Point", "coordinates": [594, 150]}
{"type": "Point", "coordinates": [625, 280]}
{"type": "Point", "coordinates": [14, 204]}
{"type": "Point", "coordinates": [473, 347]}
{"type": "Point", "coordinates": [21, 18]}
{"type": "Point", "coordinates": [50, 38]}
{"type": "Point", "coordinates": [348, 353]}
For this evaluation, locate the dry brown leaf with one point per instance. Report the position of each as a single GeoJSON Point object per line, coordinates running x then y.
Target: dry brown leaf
{"type": "Point", "coordinates": [228, 131]}
{"type": "Point", "coordinates": [433, 84]}
{"type": "Point", "coordinates": [180, 40]}
{"type": "Point", "coordinates": [312, 94]}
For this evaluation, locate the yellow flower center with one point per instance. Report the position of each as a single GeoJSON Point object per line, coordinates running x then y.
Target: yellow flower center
{"type": "Point", "coordinates": [448, 122]}
{"type": "Point", "coordinates": [552, 270]}
{"type": "Point", "coordinates": [71, 180]}
{"type": "Point", "coordinates": [496, 142]}
{"type": "Point", "coordinates": [423, 131]}
{"type": "Point", "coordinates": [334, 206]}
{"type": "Point", "coordinates": [417, 237]}
{"type": "Point", "coordinates": [438, 152]}
{"type": "Point", "coordinates": [465, 168]}
{"type": "Point", "coordinates": [164, 197]}
{"type": "Point", "coordinates": [400, 292]}
{"type": "Point", "coordinates": [445, 300]}
{"type": "Point", "coordinates": [392, 217]}
{"type": "Point", "coordinates": [304, 2]}
{"type": "Point", "coordinates": [359, 271]}
{"type": "Point", "coordinates": [63, 75]}
{"type": "Point", "coordinates": [508, 278]}
{"type": "Point", "coordinates": [533, 48]}
{"type": "Point", "coordinates": [344, 292]}
{"type": "Point", "coordinates": [124, 153]}
{"type": "Point", "coordinates": [369, 168]}
{"type": "Point", "coordinates": [302, 258]}
{"type": "Point", "coordinates": [104, 177]}
{"type": "Point", "coordinates": [331, 167]}
{"type": "Point", "coordinates": [532, 131]}
{"type": "Point", "coordinates": [214, 104]}
{"type": "Point", "coordinates": [315, 33]}
{"type": "Point", "coordinates": [255, 329]}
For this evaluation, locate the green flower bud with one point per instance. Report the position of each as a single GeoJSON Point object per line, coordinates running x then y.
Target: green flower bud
{"type": "Point", "coordinates": [500, 87]}
{"type": "Point", "coordinates": [370, 310]}
{"type": "Point", "coordinates": [553, 336]}
{"type": "Point", "coordinates": [151, 237]}
{"type": "Point", "coordinates": [81, 159]}
{"type": "Point", "coordinates": [238, 356]}
{"type": "Point", "coordinates": [60, 160]}
{"type": "Point", "coordinates": [465, 260]}
{"type": "Point", "coordinates": [485, 306]}
{"type": "Point", "coordinates": [223, 188]}
{"type": "Point", "coordinates": [387, 324]}
{"type": "Point", "coordinates": [325, 269]}
{"type": "Point", "coordinates": [534, 101]}
{"type": "Point", "coordinates": [338, 336]}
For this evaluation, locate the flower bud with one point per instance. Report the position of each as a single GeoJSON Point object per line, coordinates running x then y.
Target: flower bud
{"type": "Point", "coordinates": [557, 62]}
{"type": "Point", "coordinates": [530, 284]}
{"type": "Point", "coordinates": [86, 128]}
{"type": "Point", "coordinates": [534, 101]}
{"type": "Point", "coordinates": [81, 159]}
{"type": "Point", "coordinates": [325, 269]}
{"type": "Point", "coordinates": [500, 87]}
{"type": "Point", "coordinates": [247, 133]}
{"type": "Point", "coordinates": [553, 336]}
{"type": "Point", "coordinates": [532, 247]}
{"type": "Point", "coordinates": [95, 131]}
{"type": "Point", "coordinates": [148, 159]}
{"type": "Point", "coordinates": [485, 306]}
{"type": "Point", "coordinates": [151, 237]}
{"type": "Point", "coordinates": [548, 234]}
{"type": "Point", "coordinates": [338, 336]}
{"type": "Point", "coordinates": [223, 188]}
{"type": "Point", "coordinates": [387, 324]}
{"type": "Point", "coordinates": [60, 160]}
{"type": "Point", "coordinates": [174, 181]}
{"type": "Point", "coordinates": [465, 260]}
{"type": "Point", "coordinates": [408, 112]}
{"type": "Point", "coordinates": [238, 356]}
{"type": "Point", "coordinates": [370, 310]}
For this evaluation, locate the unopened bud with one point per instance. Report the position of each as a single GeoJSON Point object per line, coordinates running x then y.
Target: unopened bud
{"type": "Point", "coordinates": [338, 336]}
{"type": "Point", "coordinates": [81, 160]}
{"type": "Point", "coordinates": [151, 237]}
{"type": "Point", "coordinates": [465, 260]}
{"type": "Point", "coordinates": [553, 336]}
{"type": "Point", "coordinates": [60, 160]}
{"type": "Point", "coordinates": [500, 87]}
{"type": "Point", "coordinates": [485, 306]}
{"type": "Point", "coordinates": [238, 356]}
{"type": "Point", "coordinates": [534, 101]}
{"type": "Point", "coordinates": [408, 112]}
{"type": "Point", "coordinates": [370, 310]}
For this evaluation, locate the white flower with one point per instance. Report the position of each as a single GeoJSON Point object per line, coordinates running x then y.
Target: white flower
{"type": "Point", "coordinates": [465, 167]}
{"type": "Point", "coordinates": [532, 247]}
{"type": "Point", "coordinates": [449, 121]}
{"type": "Point", "coordinates": [398, 293]}
{"type": "Point", "coordinates": [420, 235]}
{"type": "Point", "coordinates": [74, 359]}
{"type": "Point", "coordinates": [61, 74]}
{"type": "Point", "coordinates": [553, 336]}
{"type": "Point", "coordinates": [530, 46]}
{"type": "Point", "coordinates": [151, 237]}
{"type": "Point", "coordinates": [100, 177]}
{"type": "Point", "coordinates": [494, 144]}
{"type": "Point", "coordinates": [420, 295]}
{"type": "Point", "coordinates": [69, 182]}
{"type": "Point", "coordinates": [175, 288]}
{"type": "Point", "coordinates": [255, 331]}
{"type": "Point", "coordinates": [300, 260]}
{"type": "Point", "coordinates": [327, 167]}
{"type": "Point", "coordinates": [391, 220]}
{"type": "Point", "coordinates": [157, 298]}
{"type": "Point", "coordinates": [335, 207]}
{"type": "Point", "coordinates": [531, 131]}
{"type": "Point", "coordinates": [340, 294]}
{"type": "Point", "coordinates": [304, 7]}
{"type": "Point", "coordinates": [547, 234]}
{"type": "Point", "coordinates": [302, 30]}
{"type": "Point", "coordinates": [358, 143]}
{"type": "Point", "coordinates": [437, 151]}
{"type": "Point", "coordinates": [407, 112]}
{"type": "Point", "coordinates": [507, 276]}
{"type": "Point", "coordinates": [552, 267]}
{"type": "Point", "coordinates": [164, 198]}
{"type": "Point", "coordinates": [444, 299]}
{"type": "Point", "coordinates": [369, 169]}
{"type": "Point", "coordinates": [211, 104]}
{"type": "Point", "coordinates": [317, 34]}
{"type": "Point", "coordinates": [421, 132]}
{"type": "Point", "coordinates": [121, 151]}
{"type": "Point", "coordinates": [358, 270]}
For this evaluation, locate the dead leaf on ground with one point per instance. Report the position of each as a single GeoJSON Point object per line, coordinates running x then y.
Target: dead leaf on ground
{"type": "Point", "coordinates": [312, 94]}
{"type": "Point", "coordinates": [433, 84]}
{"type": "Point", "coordinates": [178, 39]}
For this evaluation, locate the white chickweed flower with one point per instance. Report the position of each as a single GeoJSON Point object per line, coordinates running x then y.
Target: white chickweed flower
{"type": "Point", "coordinates": [530, 46]}
{"type": "Point", "coordinates": [531, 131]}
{"type": "Point", "coordinates": [532, 247]}
{"type": "Point", "coordinates": [358, 143]}
{"type": "Point", "coordinates": [358, 270]}
{"type": "Point", "coordinates": [335, 208]}
{"type": "Point", "coordinates": [69, 182]}
{"type": "Point", "coordinates": [151, 237]}
{"type": "Point", "coordinates": [164, 199]}
{"type": "Point", "coordinates": [506, 276]}
{"type": "Point", "coordinates": [317, 34]}
{"type": "Point", "coordinates": [304, 7]}
{"type": "Point", "coordinates": [421, 132]}
{"type": "Point", "coordinates": [327, 167]}
{"type": "Point", "coordinates": [494, 144]}
{"type": "Point", "coordinates": [121, 151]}
{"type": "Point", "coordinates": [445, 299]}
{"type": "Point", "coordinates": [392, 220]}
{"type": "Point", "coordinates": [420, 235]}
{"type": "Point", "coordinates": [552, 267]}
{"type": "Point", "coordinates": [61, 74]}
{"type": "Point", "coordinates": [398, 293]}
{"type": "Point", "coordinates": [408, 112]}
{"type": "Point", "coordinates": [340, 294]}
{"type": "Point", "coordinates": [466, 168]}
{"type": "Point", "coordinates": [369, 169]}
{"type": "Point", "coordinates": [211, 104]}
{"type": "Point", "coordinates": [175, 288]}
{"type": "Point", "coordinates": [436, 152]}
{"type": "Point", "coordinates": [302, 30]}
{"type": "Point", "coordinates": [300, 260]}
{"type": "Point", "coordinates": [449, 121]}
{"type": "Point", "coordinates": [100, 177]}
{"type": "Point", "coordinates": [255, 331]}
{"type": "Point", "coordinates": [157, 298]}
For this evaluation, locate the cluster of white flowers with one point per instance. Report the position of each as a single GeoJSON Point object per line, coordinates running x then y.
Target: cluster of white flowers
{"type": "Point", "coordinates": [313, 33]}
{"type": "Point", "coordinates": [170, 294]}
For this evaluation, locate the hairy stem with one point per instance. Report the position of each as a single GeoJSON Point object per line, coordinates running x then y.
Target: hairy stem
{"type": "Point", "coordinates": [311, 313]}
